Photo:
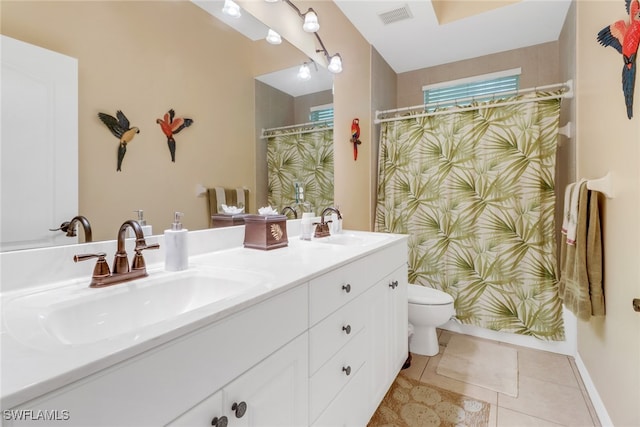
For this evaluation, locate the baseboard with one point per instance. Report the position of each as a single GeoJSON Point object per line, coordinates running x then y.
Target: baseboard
{"type": "Point", "coordinates": [597, 402]}
{"type": "Point", "coordinates": [567, 347]}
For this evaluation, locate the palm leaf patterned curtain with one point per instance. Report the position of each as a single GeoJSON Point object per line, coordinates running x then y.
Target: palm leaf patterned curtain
{"type": "Point", "coordinates": [304, 157]}
{"type": "Point", "coordinates": [475, 192]}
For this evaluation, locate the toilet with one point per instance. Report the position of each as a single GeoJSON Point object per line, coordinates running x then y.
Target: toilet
{"type": "Point", "coordinates": [428, 309]}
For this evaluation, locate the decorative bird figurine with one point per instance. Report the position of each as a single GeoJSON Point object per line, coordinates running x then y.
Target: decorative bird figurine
{"type": "Point", "coordinates": [355, 137]}
{"type": "Point", "coordinates": [170, 126]}
{"type": "Point", "coordinates": [121, 129]}
{"type": "Point", "coordinates": [625, 39]}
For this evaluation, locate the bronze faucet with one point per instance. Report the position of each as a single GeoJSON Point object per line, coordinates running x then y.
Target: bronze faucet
{"type": "Point", "coordinates": [69, 227]}
{"type": "Point", "coordinates": [121, 272]}
{"type": "Point", "coordinates": [322, 227]}
{"type": "Point", "coordinates": [290, 209]}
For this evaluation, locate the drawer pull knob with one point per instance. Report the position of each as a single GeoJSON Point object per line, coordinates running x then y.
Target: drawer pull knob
{"type": "Point", "coordinates": [239, 408]}
{"type": "Point", "coordinates": [393, 284]}
{"type": "Point", "coordinates": [347, 329]}
{"type": "Point", "coordinates": [347, 370]}
{"type": "Point", "coordinates": [346, 288]}
{"type": "Point", "coordinates": [220, 422]}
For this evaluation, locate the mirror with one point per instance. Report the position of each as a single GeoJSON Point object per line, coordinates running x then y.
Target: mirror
{"type": "Point", "coordinates": [295, 116]}
{"type": "Point", "coordinates": [145, 58]}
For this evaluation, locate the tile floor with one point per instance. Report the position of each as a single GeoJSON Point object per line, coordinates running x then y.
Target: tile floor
{"type": "Point", "coordinates": [550, 390]}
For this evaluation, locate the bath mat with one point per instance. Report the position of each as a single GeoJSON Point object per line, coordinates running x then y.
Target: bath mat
{"type": "Point", "coordinates": [481, 363]}
{"type": "Point", "coordinates": [411, 403]}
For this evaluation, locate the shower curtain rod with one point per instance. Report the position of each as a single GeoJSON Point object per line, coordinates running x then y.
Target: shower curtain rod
{"type": "Point", "coordinates": [329, 124]}
{"type": "Point", "coordinates": [568, 93]}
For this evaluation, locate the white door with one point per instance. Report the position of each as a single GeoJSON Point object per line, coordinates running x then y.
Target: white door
{"type": "Point", "coordinates": [39, 145]}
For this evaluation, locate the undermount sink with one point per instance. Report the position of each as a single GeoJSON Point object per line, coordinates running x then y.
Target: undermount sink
{"type": "Point", "coordinates": [353, 239]}
{"type": "Point", "coordinates": [78, 315]}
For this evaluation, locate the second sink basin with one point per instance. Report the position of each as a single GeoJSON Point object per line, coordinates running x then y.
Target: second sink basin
{"type": "Point", "coordinates": [353, 239]}
{"type": "Point", "coordinates": [78, 315]}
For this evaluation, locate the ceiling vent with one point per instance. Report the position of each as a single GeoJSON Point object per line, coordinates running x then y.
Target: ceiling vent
{"type": "Point", "coordinates": [395, 15]}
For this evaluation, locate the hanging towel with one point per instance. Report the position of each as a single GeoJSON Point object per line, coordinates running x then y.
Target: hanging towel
{"type": "Point", "coordinates": [572, 214]}
{"type": "Point", "coordinates": [566, 206]}
{"type": "Point", "coordinates": [240, 198]}
{"type": "Point", "coordinates": [220, 198]}
{"type": "Point", "coordinates": [580, 285]}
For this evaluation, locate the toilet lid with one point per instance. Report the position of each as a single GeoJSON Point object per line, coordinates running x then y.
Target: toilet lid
{"type": "Point", "coordinates": [428, 296]}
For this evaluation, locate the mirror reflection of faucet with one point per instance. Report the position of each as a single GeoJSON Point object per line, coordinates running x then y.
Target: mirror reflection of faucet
{"type": "Point", "coordinates": [322, 227]}
{"type": "Point", "coordinates": [147, 230]}
{"type": "Point", "coordinates": [289, 209]}
{"type": "Point", "coordinates": [69, 227]}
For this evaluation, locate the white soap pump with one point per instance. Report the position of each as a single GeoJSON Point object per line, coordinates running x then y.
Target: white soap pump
{"type": "Point", "coordinates": [146, 228]}
{"type": "Point", "coordinates": [175, 244]}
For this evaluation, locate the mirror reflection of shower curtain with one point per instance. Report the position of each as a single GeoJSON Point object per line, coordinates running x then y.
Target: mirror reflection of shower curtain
{"type": "Point", "coordinates": [304, 157]}
{"type": "Point", "coordinates": [475, 192]}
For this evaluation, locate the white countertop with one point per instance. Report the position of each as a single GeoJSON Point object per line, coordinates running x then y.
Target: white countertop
{"type": "Point", "coordinates": [29, 371]}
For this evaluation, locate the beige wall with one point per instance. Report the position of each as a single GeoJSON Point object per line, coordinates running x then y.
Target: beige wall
{"type": "Point", "coordinates": [539, 67]}
{"type": "Point", "coordinates": [144, 58]}
{"type": "Point", "coordinates": [607, 141]}
{"type": "Point", "coordinates": [383, 97]}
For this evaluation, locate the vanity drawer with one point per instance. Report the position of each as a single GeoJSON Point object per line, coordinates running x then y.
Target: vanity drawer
{"type": "Point", "coordinates": [336, 374]}
{"type": "Point", "coordinates": [334, 289]}
{"type": "Point", "coordinates": [330, 335]}
{"type": "Point", "coordinates": [349, 408]}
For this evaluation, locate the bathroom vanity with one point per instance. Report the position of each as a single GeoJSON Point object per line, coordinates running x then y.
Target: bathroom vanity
{"type": "Point", "coordinates": [311, 334]}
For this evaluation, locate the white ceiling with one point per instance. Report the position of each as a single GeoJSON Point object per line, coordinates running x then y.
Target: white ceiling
{"type": "Point", "coordinates": [421, 41]}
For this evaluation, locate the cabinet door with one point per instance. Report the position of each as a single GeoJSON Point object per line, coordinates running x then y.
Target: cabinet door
{"type": "Point", "coordinates": [273, 393]}
{"type": "Point", "coordinates": [206, 413]}
{"type": "Point", "coordinates": [398, 307]}
{"type": "Point", "coordinates": [388, 338]}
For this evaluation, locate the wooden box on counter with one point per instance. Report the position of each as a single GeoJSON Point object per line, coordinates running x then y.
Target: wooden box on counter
{"type": "Point", "coordinates": [265, 231]}
{"type": "Point", "coordinates": [227, 220]}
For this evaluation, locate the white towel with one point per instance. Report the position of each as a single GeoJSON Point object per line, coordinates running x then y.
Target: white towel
{"type": "Point", "coordinates": [567, 204]}
{"type": "Point", "coordinates": [572, 221]}
{"type": "Point", "coordinates": [220, 198]}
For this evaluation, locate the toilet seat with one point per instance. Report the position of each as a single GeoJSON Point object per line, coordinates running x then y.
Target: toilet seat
{"type": "Point", "coordinates": [428, 296]}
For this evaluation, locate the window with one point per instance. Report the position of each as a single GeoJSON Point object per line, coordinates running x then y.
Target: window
{"type": "Point", "coordinates": [481, 88]}
{"type": "Point", "coordinates": [321, 113]}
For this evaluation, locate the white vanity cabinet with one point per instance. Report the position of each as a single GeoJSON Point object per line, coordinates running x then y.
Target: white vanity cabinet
{"type": "Point", "coordinates": [357, 336]}
{"type": "Point", "coordinates": [273, 393]}
{"type": "Point", "coordinates": [319, 353]}
{"type": "Point", "coordinates": [157, 386]}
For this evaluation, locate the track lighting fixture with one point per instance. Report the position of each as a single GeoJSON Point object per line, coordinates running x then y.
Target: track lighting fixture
{"type": "Point", "coordinates": [304, 73]}
{"type": "Point", "coordinates": [273, 37]}
{"type": "Point", "coordinates": [231, 8]}
{"type": "Point", "coordinates": [335, 64]}
{"type": "Point", "coordinates": [311, 24]}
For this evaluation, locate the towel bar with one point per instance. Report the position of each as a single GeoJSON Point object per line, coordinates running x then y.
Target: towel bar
{"type": "Point", "coordinates": [603, 185]}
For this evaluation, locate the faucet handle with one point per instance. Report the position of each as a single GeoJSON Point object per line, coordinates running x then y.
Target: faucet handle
{"type": "Point", "coordinates": [101, 269]}
{"type": "Point", "coordinates": [138, 260]}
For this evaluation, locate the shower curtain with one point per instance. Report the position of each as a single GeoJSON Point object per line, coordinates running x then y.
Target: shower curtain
{"type": "Point", "coordinates": [303, 156]}
{"type": "Point", "coordinates": [475, 192]}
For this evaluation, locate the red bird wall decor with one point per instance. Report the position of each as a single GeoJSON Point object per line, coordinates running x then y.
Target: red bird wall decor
{"type": "Point", "coordinates": [625, 38]}
{"type": "Point", "coordinates": [170, 126]}
{"type": "Point", "coordinates": [355, 137]}
{"type": "Point", "coordinates": [121, 129]}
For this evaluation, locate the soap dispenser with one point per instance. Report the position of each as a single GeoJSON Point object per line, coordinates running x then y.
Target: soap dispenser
{"type": "Point", "coordinates": [175, 244]}
{"type": "Point", "coordinates": [146, 229]}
